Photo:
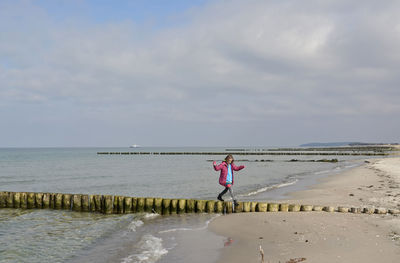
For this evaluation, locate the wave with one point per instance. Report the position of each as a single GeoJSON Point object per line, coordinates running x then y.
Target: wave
{"type": "Point", "coordinates": [190, 229]}
{"type": "Point", "coordinates": [267, 188]}
{"type": "Point", "coordinates": [151, 250]}
{"type": "Point", "coordinates": [135, 224]}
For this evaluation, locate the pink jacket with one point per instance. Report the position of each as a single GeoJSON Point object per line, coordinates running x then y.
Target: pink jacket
{"type": "Point", "coordinates": [224, 171]}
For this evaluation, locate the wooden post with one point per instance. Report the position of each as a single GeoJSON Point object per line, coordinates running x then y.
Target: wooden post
{"type": "Point", "coordinates": [294, 208]}
{"type": "Point", "coordinates": [149, 203]}
{"type": "Point", "coordinates": [10, 200]}
{"type": "Point", "coordinates": [52, 200]}
{"type": "Point", "coordinates": [190, 206]}
{"type": "Point", "coordinates": [342, 209]}
{"type": "Point", "coordinates": [140, 205]}
{"type": "Point", "coordinates": [284, 207]}
{"type": "Point", "coordinates": [355, 210]}
{"type": "Point", "coordinates": [253, 206]}
{"type": "Point", "coordinates": [210, 206]}
{"type": "Point", "coordinates": [273, 207]}
{"type": "Point", "coordinates": [3, 197]}
{"type": "Point", "coordinates": [306, 208]}
{"type": "Point", "coordinates": [158, 205]}
{"type": "Point", "coordinates": [219, 207]}
{"type": "Point", "coordinates": [174, 206]}
{"type": "Point", "coordinates": [246, 207]}
{"type": "Point", "coordinates": [66, 201]}
{"type": "Point", "coordinates": [107, 204]}
{"type": "Point", "coordinates": [166, 206]}
{"type": "Point", "coordinates": [239, 207]}
{"type": "Point", "coordinates": [134, 204]}
{"type": "Point", "coordinates": [201, 206]}
{"type": "Point", "coordinates": [31, 200]}
{"type": "Point", "coordinates": [46, 200]}
{"type": "Point", "coordinates": [262, 207]}
{"type": "Point", "coordinates": [58, 199]}
{"type": "Point", "coordinates": [39, 200]}
{"type": "Point", "coordinates": [181, 206]}
{"type": "Point", "coordinates": [127, 205]}
{"type": "Point", "coordinates": [329, 209]}
{"type": "Point", "coordinates": [318, 208]}
{"type": "Point", "coordinates": [77, 202]}
{"type": "Point", "coordinates": [85, 203]}
{"type": "Point", "coordinates": [98, 203]}
{"type": "Point", "coordinates": [17, 200]}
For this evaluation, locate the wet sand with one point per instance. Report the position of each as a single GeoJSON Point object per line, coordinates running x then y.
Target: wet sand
{"type": "Point", "coordinates": [323, 236]}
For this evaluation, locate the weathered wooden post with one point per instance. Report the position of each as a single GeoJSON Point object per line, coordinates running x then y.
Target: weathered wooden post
{"type": "Point", "coordinates": [127, 205]}
{"type": "Point", "coordinates": [219, 207]}
{"type": "Point", "coordinates": [181, 206]}
{"type": "Point", "coordinates": [342, 209]}
{"type": "Point", "coordinates": [210, 206]}
{"type": "Point", "coordinates": [66, 201]}
{"type": "Point", "coordinates": [273, 207]}
{"type": "Point", "coordinates": [190, 206]}
{"type": "Point", "coordinates": [381, 211]}
{"type": "Point", "coordinates": [39, 200]}
{"type": "Point", "coordinates": [107, 204]}
{"type": "Point", "coordinates": [85, 203]}
{"type": "Point", "coordinates": [294, 208]}
{"type": "Point", "coordinates": [166, 206]}
{"type": "Point", "coordinates": [10, 200]}
{"type": "Point", "coordinates": [228, 207]}
{"type": "Point", "coordinates": [115, 205]}
{"type": "Point", "coordinates": [284, 207]}
{"type": "Point", "coordinates": [318, 208]}
{"type": "Point", "coordinates": [246, 207]}
{"type": "Point", "coordinates": [201, 206]}
{"type": "Point", "coordinates": [31, 200]}
{"type": "Point", "coordinates": [149, 203]}
{"type": "Point", "coordinates": [17, 200]}
{"type": "Point", "coordinates": [253, 206]}
{"type": "Point", "coordinates": [98, 203]}
{"type": "Point", "coordinates": [77, 202]}
{"type": "Point", "coordinates": [58, 199]}
{"type": "Point", "coordinates": [262, 207]}
{"type": "Point", "coordinates": [52, 200]}
{"type": "Point", "coordinates": [92, 204]}
{"type": "Point", "coordinates": [306, 208]}
{"type": "Point", "coordinates": [46, 200]}
{"type": "Point", "coordinates": [174, 206]}
{"type": "Point", "coordinates": [3, 197]}
{"type": "Point", "coordinates": [329, 209]}
{"type": "Point", "coordinates": [158, 205]}
{"type": "Point", "coordinates": [239, 207]}
{"type": "Point", "coordinates": [355, 210]}
{"type": "Point", "coordinates": [134, 204]}
{"type": "Point", "coordinates": [140, 205]}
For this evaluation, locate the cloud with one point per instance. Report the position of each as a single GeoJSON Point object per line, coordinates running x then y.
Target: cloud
{"type": "Point", "coordinates": [246, 61]}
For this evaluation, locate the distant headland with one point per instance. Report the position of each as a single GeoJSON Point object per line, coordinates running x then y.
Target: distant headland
{"type": "Point", "coordinates": [337, 144]}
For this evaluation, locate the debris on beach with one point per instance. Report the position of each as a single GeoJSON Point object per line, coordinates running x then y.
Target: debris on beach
{"type": "Point", "coordinates": [295, 260]}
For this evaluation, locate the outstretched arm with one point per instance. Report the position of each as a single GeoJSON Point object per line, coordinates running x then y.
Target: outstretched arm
{"type": "Point", "coordinates": [216, 167]}
{"type": "Point", "coordinates": [237, 168]}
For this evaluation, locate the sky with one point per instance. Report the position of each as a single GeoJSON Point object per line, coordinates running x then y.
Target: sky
{"type": "Point", "coordinates": [82, 73]}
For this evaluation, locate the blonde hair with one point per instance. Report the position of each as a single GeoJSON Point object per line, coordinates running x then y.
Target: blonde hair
{"type": "Point", "coordinates": [229, 156]}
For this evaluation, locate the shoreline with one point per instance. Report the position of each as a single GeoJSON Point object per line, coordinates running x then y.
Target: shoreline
{"type": "Point", "coordinates": [322, 236]}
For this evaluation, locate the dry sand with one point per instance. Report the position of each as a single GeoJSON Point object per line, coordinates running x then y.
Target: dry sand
{"type": "Point", "coordinates": [323, 236]}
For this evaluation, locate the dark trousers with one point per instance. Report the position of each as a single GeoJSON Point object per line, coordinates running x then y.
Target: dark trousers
{"type": "Point", "coordinates": [226, 190]}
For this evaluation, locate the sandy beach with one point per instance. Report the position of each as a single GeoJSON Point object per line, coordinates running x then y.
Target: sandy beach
{"type": "Point", "coordinates": [322, 236]}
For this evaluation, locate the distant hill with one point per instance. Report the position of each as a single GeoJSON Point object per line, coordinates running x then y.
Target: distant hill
{"type": "Point", "coordinates": [331, 144]}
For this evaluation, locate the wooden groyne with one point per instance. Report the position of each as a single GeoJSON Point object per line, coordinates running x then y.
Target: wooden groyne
{"type": "Point", "coordinates": [248, 153]}
{"type": "Point", "coordinates": [112, 204]}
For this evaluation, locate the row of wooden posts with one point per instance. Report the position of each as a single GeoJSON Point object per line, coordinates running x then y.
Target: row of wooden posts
{"type": "Point", "coordinates": [246, 153]}
{"type": "Point", "coordinates": [109, 204]}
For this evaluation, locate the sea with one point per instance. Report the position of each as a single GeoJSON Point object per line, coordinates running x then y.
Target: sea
{"type": "Point", "coordinates": [66, 236]}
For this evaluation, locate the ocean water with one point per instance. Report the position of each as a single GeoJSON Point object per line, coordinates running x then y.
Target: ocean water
{"type": "Point", "coordinates": [65, 236]}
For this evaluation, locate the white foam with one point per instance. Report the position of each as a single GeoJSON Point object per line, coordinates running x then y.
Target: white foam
{"type": "Point", "coordinates": [190, 229]}
{"type": "Point", "coordinates": [151, 250]}
{"type": "Point", "coordinates": [264, 189]}
{"type": "Point", "coordinates": [135, 224]}
{"type": "Point", "coordinates": [150, 216]}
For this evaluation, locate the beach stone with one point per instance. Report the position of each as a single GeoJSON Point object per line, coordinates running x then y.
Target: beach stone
{"type": "Point", "coordinates": [342, 209]}
{"type": "Point", "coordinates": [284, 207]}
{"type": "Point", "coordinates": [201, 206]}
{"type": "Point", "coordinates": [306, 208]}
{"type": "Point", "coordinates": [369, 210]}
{"type": "Point", "coordinates": [140, 205]}
{"type": "Point", "coordinates": [355, 210]}
{"type": "Point", "coordinates": [381, 211]}
{"type": "Point", "coordinates": [107, 204]}
{"type": "Point", "coordinates": [85, 203]}
{"type": "Point", "coordinates": [98, 203]}
{"type": "Point", "coordinates": [219, 207]}
{"type": "Point", "coordinates": [246, 207]}
{"type": "Point", "coordinates": [273, 207]}
{"type": "Point", "coordinates": [58, 201]}
{"type": "Point", "coordinates": [394, 211]}
{"type": "Point", "coordinates": [17, 200]}
{"type": "Point", "coordinates": [158, 205]}
{"type": "Point", "coordinates": [253, 206]}
{"type": "Point", "coordinates": [148, 205]}
{"type": "Point", "coordinates": [46, 200]}
{"type": "Point", "coordinates": [181, 206]}
{"type": "Point", "coordinates": [174, 206]}
{"type": "Point", "coordinates": [77, 202]}
{"type": "Point", "coordinates": [318, 208]}
{"type": "Point", "coordinates": [30, 200]}
{"type": "Point", "coordinates": [10, 200]}
{"type": "Point", "coordinates": [166, 206]}
{"type": "Point", "coordinates": [262, 207]}
{"type": "Point", "coordinates": [39, 200]}
{"type": "Point", "coordinates": [190, 206]}
{"type": "Point", "coordinates": [127, 205]}
{"type": "Point", "coordinates": [329, 209]}
{"type": "Point", "coordinates": [66, 201]}
{"type": "Point", "coordinates": [294, 208]}
{"type": "Point", "coordinates": [210, 206]}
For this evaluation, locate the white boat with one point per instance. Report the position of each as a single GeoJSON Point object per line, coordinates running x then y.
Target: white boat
{"type": "Point", "coordinates": [134, 146]}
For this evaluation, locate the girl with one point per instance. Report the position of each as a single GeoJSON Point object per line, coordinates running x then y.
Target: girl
{"type": "Point", "coordinates": [226, 177]}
